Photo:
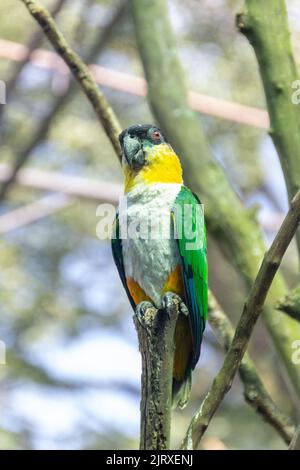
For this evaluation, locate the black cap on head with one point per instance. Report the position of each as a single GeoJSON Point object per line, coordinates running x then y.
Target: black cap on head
{"type": "Point", "coordinates": [138, 130]}
{"type": "Point", "coordinates": [136, 139]}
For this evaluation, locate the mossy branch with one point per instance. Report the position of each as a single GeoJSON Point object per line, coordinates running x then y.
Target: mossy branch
{"type": "Point", "coordinates": [252, 309]}
{"type": "Point", "coordinates": [265, 24]}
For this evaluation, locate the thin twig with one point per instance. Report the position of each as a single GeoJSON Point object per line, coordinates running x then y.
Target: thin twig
{"type": "Point", "coordinates": [252, 309]}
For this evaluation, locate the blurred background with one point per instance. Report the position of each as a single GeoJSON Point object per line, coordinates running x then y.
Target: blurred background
{"type": "Point", "coordinates": [72, 373]}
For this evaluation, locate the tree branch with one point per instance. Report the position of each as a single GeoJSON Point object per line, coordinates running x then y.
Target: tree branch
{"type": "Point", "coordinates": [62, 101]}
{"type": "Point", "coordinates": [265, 24]}
{"type": "Point", "coordinates": [252, 309]}
{"type": "Point", "coordinates": [254, 391]}
{"type": "Point", "coordinates": [79, 70]}
{"type": "Point", "coordinates": [155, 327]}
{"type": "Point", "coordinates": [34, 42]}
{"type": "Point", "coordinates": [234, 228]}
{"type": "Point", "coordinates": [290, 304]}
{"type": "Point", "coordinates": [156, 330]}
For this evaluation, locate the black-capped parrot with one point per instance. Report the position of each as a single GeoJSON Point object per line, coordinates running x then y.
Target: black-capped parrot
{"type": "Point", "coordinates": [172, 259]}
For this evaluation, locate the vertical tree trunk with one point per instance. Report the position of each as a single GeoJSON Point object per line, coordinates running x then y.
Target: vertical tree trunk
{"type": "Point", "coordinates": [156, 342]}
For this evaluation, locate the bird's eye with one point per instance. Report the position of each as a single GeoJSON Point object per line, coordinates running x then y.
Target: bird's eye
{"type": "Point", "coordinates": [156, 135]}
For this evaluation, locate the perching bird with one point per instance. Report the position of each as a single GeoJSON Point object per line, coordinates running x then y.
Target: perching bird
{"type": "Point", "coordinates": [163, 250]}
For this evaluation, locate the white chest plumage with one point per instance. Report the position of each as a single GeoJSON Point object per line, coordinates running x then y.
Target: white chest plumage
{"type": "Point", "coordinates": [150, 251]}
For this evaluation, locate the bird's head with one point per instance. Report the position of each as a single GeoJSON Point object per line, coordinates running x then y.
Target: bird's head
{"type": "Point", "coordinates": [137, 144]}
{"type": "Point", "coordinates": [147, 157]}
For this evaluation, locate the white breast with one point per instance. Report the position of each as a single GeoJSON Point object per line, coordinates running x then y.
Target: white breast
{"type": "Point", "coordinates": [150, 251]}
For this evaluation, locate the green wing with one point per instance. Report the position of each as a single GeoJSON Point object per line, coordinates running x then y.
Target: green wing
{"type": "Point", "coordinates": [191, 236]}
{"type": "Point", "coordinates": [116, 245]}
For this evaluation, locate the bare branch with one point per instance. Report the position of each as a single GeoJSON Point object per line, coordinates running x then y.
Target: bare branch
{"type": "Point", "coordinates": [290, 304]}
{"type": "Point", "coordinates": [254, 391]}
{"type": "Point", "coordinates": [252, 309]}
{"type": "Point", "coordinates": [34, 42]}
{"type": "Point", "coordinates": [80, 71]}
{"type": "Point", "coordinates": [61, 101]}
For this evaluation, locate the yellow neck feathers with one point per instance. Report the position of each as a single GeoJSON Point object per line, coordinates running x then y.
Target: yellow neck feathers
{"type": "Point", "coordinates": [163, 166]}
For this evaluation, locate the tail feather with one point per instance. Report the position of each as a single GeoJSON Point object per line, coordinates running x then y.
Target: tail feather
{"type": "Point", "coordinates": [181, 391]}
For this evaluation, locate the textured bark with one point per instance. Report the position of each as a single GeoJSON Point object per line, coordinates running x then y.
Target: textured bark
{"type": "Point", "coordinates": [265, 24]}
{"type": "Point", "coordinates": [234, 228]}
{"type": "Point", "coordinates": [156, 342]}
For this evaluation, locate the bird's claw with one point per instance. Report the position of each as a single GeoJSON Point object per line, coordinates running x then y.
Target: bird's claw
{"type": "Point", "coordinates": [141, 310]}
{"type": "Point", "coordinates": [183, 309]}
{"type": "Point", "coordinates": [168, 304]}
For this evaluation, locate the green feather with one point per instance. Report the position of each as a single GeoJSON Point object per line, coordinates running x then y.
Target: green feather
{"type": "Point", "coordinates": [189, 226]}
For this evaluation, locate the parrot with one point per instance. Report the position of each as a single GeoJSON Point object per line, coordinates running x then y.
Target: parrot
{"type": "Point", "coordinates": [155, 268]}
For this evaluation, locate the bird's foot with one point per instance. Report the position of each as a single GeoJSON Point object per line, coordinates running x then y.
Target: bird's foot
{"type": "Point", "coordinates": [169, 302]}
{"type": "Point", "coordinates": [141, 313]}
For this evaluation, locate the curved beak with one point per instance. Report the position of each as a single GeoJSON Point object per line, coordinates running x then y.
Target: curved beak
{"type": "Point", "coordinates": [133, 152]}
